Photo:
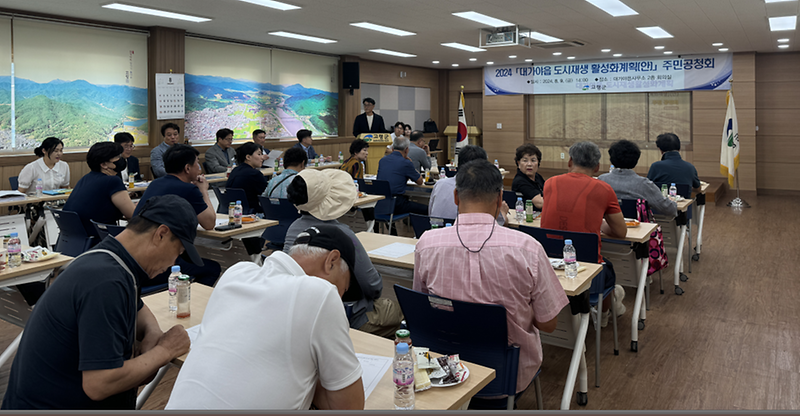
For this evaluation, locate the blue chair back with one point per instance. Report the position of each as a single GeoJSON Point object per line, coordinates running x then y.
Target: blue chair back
{"type": "Point", "coordinates": [104, 230]}
{"type": "Point", "coordinates": [14, 182]}
{"type": "Point", "coordinates": [450, 172]}
{"type": "Point", "coordinates": [384, 207]}
{"type": "Point", "coordinates": [227, 195]}
{"type": "Point", "coordinates": [511, 198]}
{"type": "Point", "coordinates": [422, 223]}
{"type": "Point", "coordinates": [553, 242]}
{"type": "Point", "coordinates": [280, 210]}
{"type": "Point", "coordinates": [628, 207]}
{"type": "Point", "coordinates": [72, 238]}
{"type": "Point", "coordinates": [477, 332]}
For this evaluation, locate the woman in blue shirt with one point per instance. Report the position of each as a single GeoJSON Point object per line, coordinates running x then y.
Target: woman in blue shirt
{"type": "Point", "coordinates": [100, 195]}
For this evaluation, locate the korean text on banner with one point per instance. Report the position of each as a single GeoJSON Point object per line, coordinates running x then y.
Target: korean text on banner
{"type": "Point", "coordinates": [729, 154]}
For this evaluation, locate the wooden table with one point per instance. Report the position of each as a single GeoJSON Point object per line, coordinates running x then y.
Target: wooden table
{"type": "Point", "coordinates": [32, 272]}
{"type": "Point", "coordinates": [572, 287]}
{"type": "Point", "coordinates": [368, 199]}
{"type": "Point", "coordinates": [382, 398]}
{"type": "Point", "coordinates": [14, 201]}
{"type": "Point", "coordinates": [250, 229]}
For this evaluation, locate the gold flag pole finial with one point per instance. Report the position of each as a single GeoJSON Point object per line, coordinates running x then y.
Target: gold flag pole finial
{"type": "Point", "coordinates": [462, 88]}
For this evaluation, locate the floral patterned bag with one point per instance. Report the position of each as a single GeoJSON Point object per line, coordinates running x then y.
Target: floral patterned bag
{"type": "Point", "coordinates": [658, 256]}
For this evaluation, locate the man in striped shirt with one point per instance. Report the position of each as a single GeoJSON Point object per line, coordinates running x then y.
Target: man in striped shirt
{"type": "Point", "coordinates": [479, 261]}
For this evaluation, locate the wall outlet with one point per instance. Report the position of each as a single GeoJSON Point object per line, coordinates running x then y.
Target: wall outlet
{"type": "Point", "coordinates": [499, 126]}
{"type": "Point", "coordinates": [562, 155]}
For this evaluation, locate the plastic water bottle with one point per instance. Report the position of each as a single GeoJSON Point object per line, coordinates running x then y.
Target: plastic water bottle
{"type": "Point", "coordinates": [448, 225]}
{"type": "Point", "coordinates": [237, 213]}
{"type": "Point", "coordinates": [14, 251]}
{"type": "Point", "coordinates": [231, 213]}
{"type": "Point", "coordinates": [321, 159]}
{"type": "Point", "coordinates": [341, 157]}
{"type": "Point", "coordinates": [611, 169]}
{"type": "Point", "coordinates": [355, 182]}
{"type": "Point", "coordinates": [173, 288]}
{"type": "Point", "coordinates": [442, 173]}
{"type": "Point", "coordinates": [520, 210]}
{"type": "Point", "coordinates": [497, 165]}
{"type": "Point", "coordinates": [570, 262]}
{"type": "Point", "coordinates": [403, 376]}
{"type": "Point", "coordinates": [39, 187]}
{"type": "Point", "coordinates": [673, 191]}
{"type": "Point", "coordinates": [184, 295]}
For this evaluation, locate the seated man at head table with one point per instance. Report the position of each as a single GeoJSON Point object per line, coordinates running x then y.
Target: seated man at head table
{"type": "Point", "coordinates": [171, 133]}
{"type": "Point", "coordinates": [184, 179]}
{"type": "Point", "coordinates": [276, 336]}
{"type": "Point", "coordinates": [671, 168]}
{"type": "Point", "coordinates": [627, 184]}
{"type": "Point", "coordinates": [323, 196]}
{"type": "Point", "coordinates": [576, 201]}
{"type": "Point", "coordinates": [418, 151]}
{"type": "Point", "coordinates": [294, 161]}
{"type": "Point", "coordinates": [443, 204]}
{"type": "Point", "coordinates": [396, 169]}
{"type": "Point", "coordinates": [221, 155]}
{"type": "Point", "coordinates": [304, 143]}
{"type": "Point", "coordinates": [77, 350]}
{"type": "Point", "coordinates": [462, 262]}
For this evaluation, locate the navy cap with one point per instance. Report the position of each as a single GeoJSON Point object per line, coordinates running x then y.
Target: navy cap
{"type": "Point", "coordinates": [330, 237]}
{"type": "Point", "coordinates": [177, 214]}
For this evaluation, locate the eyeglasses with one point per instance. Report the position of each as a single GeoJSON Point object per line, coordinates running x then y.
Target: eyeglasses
{"type": "Point", "coordinates": [128, 146]}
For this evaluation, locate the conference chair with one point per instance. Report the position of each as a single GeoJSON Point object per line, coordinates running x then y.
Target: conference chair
{"type": "Point", "coordinates": [384, 209]}
{"type": "Point", "coordinates": [104, 230]}
{"type": "Point", "coordinates": [670, 229]}
{"type": "Point", "coordinates": [422, 223]}
{"type": "Point", "coordinates": [285, 213]}
{"type": "Point", "coordinates": [73, 240]}
{"type": "Point", "coordinates": [623, 257]}
{"type": "Point", "coordinates": [206, 170]}
{"type": "Point", "coordinates": [586, 251]}
{"type": "Point", "coordinates": [511, 199]}
{"type": "Point", "coordinates": [14, 182]}
{"type": "Point", "coordinates": [478, 332]}
{"type": "Point", "coordinates": [450, 172]}
{"type": "Point", "coordinates": [227, 195]}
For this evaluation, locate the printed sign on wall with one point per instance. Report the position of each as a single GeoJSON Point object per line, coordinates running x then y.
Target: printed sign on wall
{"type": "Point", "coordinates": [170, 97]}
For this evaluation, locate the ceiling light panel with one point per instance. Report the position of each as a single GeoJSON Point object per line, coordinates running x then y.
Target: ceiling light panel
{"type": "Point", "coordinates": [384, 29]}
{"type": "Point", "coordinates": [273, 4]}
{"type": "Point", "coordinates": [301, 37]}
{"type": "Point", "coordinates": [154, 12]}
{"type": "Point", "coordinates": [463, 47]}
{"type": "Point", "coordinates": [393, 53]}
{"type": "Point", "coordinates": [544, 38]}
{"type": "Point", "coordinates": [655, 32]}
{"type": "Point", "coordinates": [782, 23]}
{"type": "Point", "coordinates": [784, 46]}
{"type": "Point", "coordinates": [776, 1]}
{"type": "Point", "coordinates": [615, 8]}
{"type": "Point", "coordinates": [483, 19]}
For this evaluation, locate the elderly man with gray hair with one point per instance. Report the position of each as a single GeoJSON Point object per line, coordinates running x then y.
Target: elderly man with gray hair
{"type": "Point", "coordinates": [397, 168]}
{"type": "Point", "coordinates": [575, 201]}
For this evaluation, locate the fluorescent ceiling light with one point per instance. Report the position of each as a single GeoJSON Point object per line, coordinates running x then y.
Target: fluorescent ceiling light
{"type": "Point", "coordinates": [556, 53]}
{"type": "Point", "coordinates": [570, 57]}
{"type": "Point", "coordinates": [655, 32]}
{"type": "Point", "coordinates": [453, 64]}
{"type": "Point", "coordinates": [723, 49]}
{"type": "Point", "coordinates": [658, 48]}
{"type": "Point", "coordinates": [605, 50]}
{"type": "Point", "coordinates": [544, 38]}
{"type": "Point", "coordinates": [783, 46]}
{"type": "Point", "coordinates": [482, 18]}
{"type": "Point", "coordinates": [512, 56]}
{"type": "Point", "coordinates": [301, 37]}
{"type": "Point", "coordinates": [490, 63]}
{"type": "Point", "coordinates": [529, 60]}
{"type": "Point", "coordinates": [784, 40]}
{"type": "Point", "coordinates": [393, 53]}
{"type": "Point", "coordinates": [776, 1]}
{"type": "Point", "coordinates": [384, 29]}
{"type": "Point", "coordinates": [435, 62]}
{"type": "Point", "coordinates": [463, 47]}
{"type": "Point", "coordinates": [667, 52]}
{"type": "Point", "coordinates": [273, 4]}
{"type": "Point", "coordinates": [782, 23]}
{"type": "Point", "coordinates": [717, 44]}
{"type": "Point", "coordinates": [617, 55]}
{"type": "Point", "coordinates": [154, 12]}
{"type": "Point", "coordinates": [473, 59]}
{"type": "Point", "coordinates": [615, 8]}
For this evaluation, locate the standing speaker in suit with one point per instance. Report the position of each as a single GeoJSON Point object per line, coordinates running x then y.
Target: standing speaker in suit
{"type": "Point", "coordinates": [368, 121]}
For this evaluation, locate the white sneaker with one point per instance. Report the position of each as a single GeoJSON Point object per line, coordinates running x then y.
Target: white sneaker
{"type": "Point", "coordinates": [619, 293]}
{"type": "Point", "coordinates": [604, 319]}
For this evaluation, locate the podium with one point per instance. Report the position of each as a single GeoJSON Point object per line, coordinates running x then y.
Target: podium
{"type": "Point", "coordinates": [473, 136]}
{"type": "Point", "coordinates": [377, 144]}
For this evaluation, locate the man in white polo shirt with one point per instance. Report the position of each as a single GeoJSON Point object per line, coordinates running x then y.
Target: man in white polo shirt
{"type": "Point", "coordinates": [276, 336]}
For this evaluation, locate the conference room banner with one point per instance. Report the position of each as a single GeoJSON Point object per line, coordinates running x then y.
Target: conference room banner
{"type": "Point", "coordinates": [685, 73]}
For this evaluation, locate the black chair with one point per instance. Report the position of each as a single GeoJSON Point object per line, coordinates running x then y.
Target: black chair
{"type": "Point", "coordinates": [450, 326]}
{"type": "Point", "coordinates": [14, 182]}
{"type": "Point", "coordinates": [586, 250]}
{"type": "Point", "coordinates": [384, 209]}
{"type": "Point", "coordinates": [227, 195]}
{"type": "Point", "coordinates": [104, 230]}
{"type": "Point", "coordinates": [422, 223]}
{"type": "Point", "coordinates": [450, 172]}
{"type": "Point", "coordinates": [73, 240]}
{"type": "Point", "coordinates": [280, 210]}
{"type": "Point", "coordinates": [511, 198]}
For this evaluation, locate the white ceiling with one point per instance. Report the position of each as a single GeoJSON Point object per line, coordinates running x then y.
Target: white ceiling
{"type": "Point", "coordinates": [741, 25]}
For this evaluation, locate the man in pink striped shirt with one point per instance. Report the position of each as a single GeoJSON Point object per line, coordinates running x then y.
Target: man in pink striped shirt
{"type": "Point", "coordinates": [478, 261]}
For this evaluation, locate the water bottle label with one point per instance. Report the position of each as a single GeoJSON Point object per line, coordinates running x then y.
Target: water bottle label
{"type": "Point", "coordinates": [403, 376]}
{"type": "Point", "coordinates": [569, 258]}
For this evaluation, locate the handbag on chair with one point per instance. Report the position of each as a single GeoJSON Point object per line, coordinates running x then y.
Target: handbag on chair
{"type": "Point", "coordinates": [658, 256]}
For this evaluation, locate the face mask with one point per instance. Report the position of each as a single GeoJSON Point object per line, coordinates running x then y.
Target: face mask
{"type": "Point", "coordinates": [120, 165]}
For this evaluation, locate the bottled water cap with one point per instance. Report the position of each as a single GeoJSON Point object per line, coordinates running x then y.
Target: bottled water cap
{"type": "Point", "coordinates": [568, 241]}
{"type": "Point", "coordinates": [176, 269]}
{"type": "Point", "coordinates": [402, 348]}
{"type": "Point", "coordinates": [519, 198]}
{"type": "Point", "coordinates": [238, 202]}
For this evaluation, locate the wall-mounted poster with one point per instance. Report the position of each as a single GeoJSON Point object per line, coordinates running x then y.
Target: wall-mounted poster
{"type": "Point", "coordinates": [244, 88]}
{"type": "Point", "coordinates": [82, 85]}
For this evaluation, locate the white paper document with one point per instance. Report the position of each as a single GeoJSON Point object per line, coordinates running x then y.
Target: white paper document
{"type": "Point", "coordinates": [373, 368]}
{"type": "Point", "coordinates": [274, 155]}
{"type": "Point", "coordinates": [4, 194]}
{"type": "Point", "coordinates": [223, 221]}
{"type": "Point", "coordinates": [394, 250]}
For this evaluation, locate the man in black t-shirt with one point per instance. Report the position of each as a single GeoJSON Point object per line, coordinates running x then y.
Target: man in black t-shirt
{"type": "Point", "coordinates": [77, 350]}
